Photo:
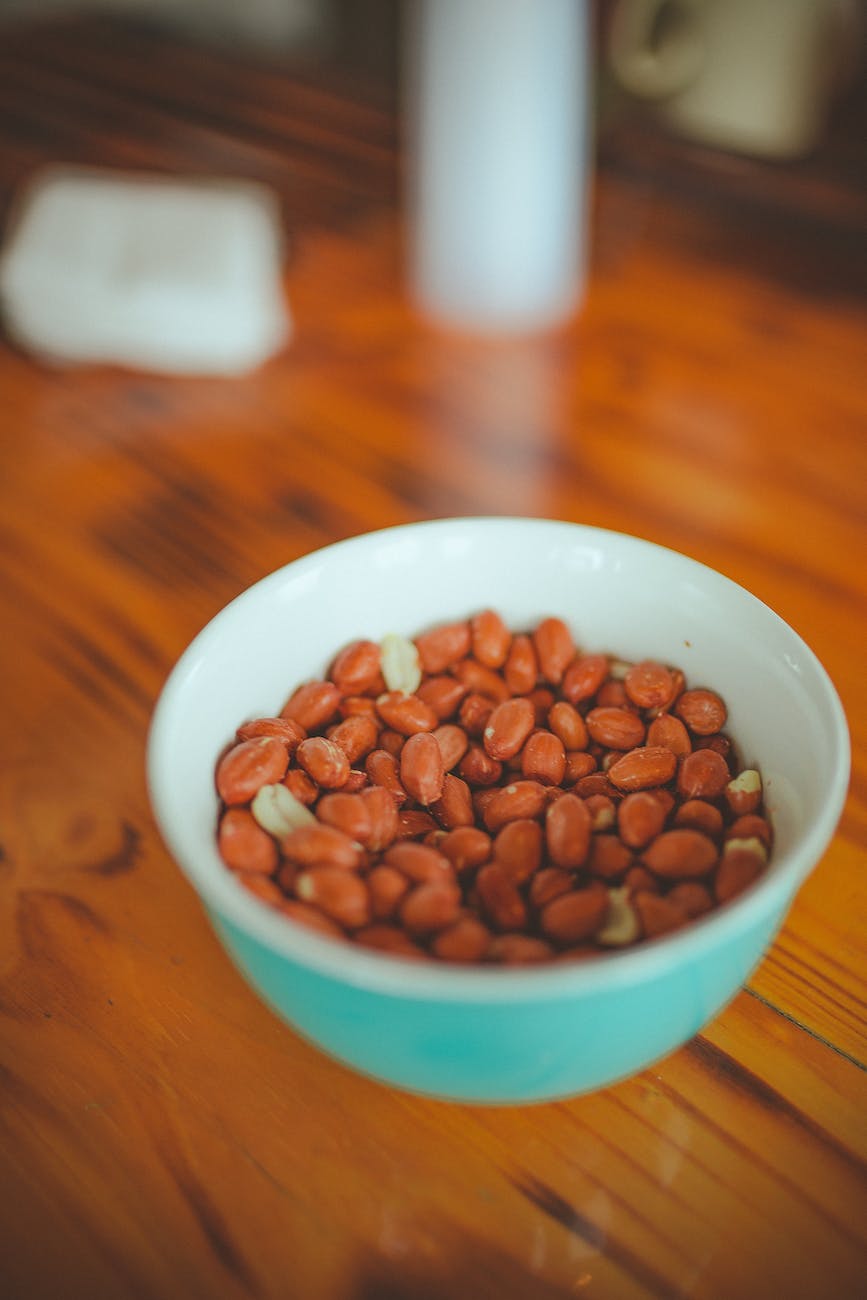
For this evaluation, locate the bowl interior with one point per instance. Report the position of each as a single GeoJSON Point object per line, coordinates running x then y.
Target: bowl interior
{"type": "Point", "coordinates": [619, 594]}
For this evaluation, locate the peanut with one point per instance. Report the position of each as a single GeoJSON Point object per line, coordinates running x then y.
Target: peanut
{"type": "Point", "coordinates": [421, 768]}
{"type": "Point", "coordinates": [489, 638]}
{"type": "Point", "coordinates": [583, 677]}
{"type": "Point", "coordinates": [323, 761]}
{"type": "Point", "coordinates": [640, 818]}
{"type": "Point", "coordinates": [703, 712]}
{"type": "Point", "coordinates": [356, 736]}
{"type": "Point", "coordinates": [648, 684]}
{"type": "Point", "coordinates": [248, 766]}
{"type": "Point", "coordinates": [465, 941]}
{"type": "Point", "coordinates": [278, 811]}
{"type": "Point", "coordinates": [520, 799]}
{"type": "Point", "coordinates": [518, 849]}
{"type": "Point", "coordinates": [615, 728]}
{"type": "Point", "coordinates": [454, 807]}
{"type": "Point", "coordinates": [453, 742]}
{"type": "Point", "coordinates": [508, 727]}
{"type": "Point", "coordinates": [567, 832]}
{"type": "Point", "coordinates": [321, 845]}
{"type": "Point", "coordinates": [285, 729]}
{"type": "Point", "coordinates": [543, 758]}
{"type": "Point", "coordinates": [430, 907]}
{"type": "Point", "coordinates": [642, 769]}
{"type": "Point", "coordinates": [521, 669]}
{"type": "Point", "coordinates": [744, 792]}
{"type": "Point", "coordinates": [244, 845]}
{"type": "Point", "coordinates": [313, 704]}
{"type": "Point", "coordinates": [406, 714]}
{"type": "Point", "coordinates": [341, 895]}
{"type": "Point", "coordinates": [478, 795]}
{"type": "Point", "coordinates": [442, 647]}
{"type": "Point", "coordinates": [349, 813]}
{"type": "Point", "coordinates": [703, 774]}
{"type": "Point", "coordinates": [681, 852]}
{"type": "Point", "coordinates": [555, 649]}
{"type": "Point", "coordinates": [575, 916]}
{"type": "Point", "coordinates": [356, 668]}
{"type": "Point", "coordinates": [500, 898]}
{"type": "Point", "coordinates": [442, 694]}
{"type": "Point", "coordinates": [401, 666]}
{"type": "Point", "coordinates": [700, 816]}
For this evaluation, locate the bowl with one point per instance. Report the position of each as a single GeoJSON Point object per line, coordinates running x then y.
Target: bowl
{"type": "Point", "coordinates": [480, 1034]}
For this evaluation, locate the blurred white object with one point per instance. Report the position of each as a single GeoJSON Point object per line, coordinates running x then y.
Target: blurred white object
{"type": "Point", "coordinates": [755, 76]}
{"type": "Point", "coordinates": [498, 160]}
{"type": "Point", "coordinates": [153, 273]}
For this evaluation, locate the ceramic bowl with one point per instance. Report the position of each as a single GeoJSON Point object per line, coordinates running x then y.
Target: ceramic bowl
{"type": "Point", "coordinates": [502, 1035]}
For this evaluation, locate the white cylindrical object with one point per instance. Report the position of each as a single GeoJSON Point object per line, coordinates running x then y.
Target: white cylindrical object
{"type": "Point", "coordinates": [498, 160]}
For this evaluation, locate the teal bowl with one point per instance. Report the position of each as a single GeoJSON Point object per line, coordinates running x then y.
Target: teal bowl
{"type": "Point", "coordinates": [504, 1035]}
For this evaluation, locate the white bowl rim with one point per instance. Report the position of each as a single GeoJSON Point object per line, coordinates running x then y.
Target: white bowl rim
{"type": "Point", "coordinates": [433, 981]}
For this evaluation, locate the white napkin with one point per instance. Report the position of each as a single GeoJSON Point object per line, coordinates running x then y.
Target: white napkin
{"type": "Point", "coordinates": [153, 273]}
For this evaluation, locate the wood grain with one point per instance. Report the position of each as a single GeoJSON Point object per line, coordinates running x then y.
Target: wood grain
{"type": "Point", "coordinates": [163, 1134]}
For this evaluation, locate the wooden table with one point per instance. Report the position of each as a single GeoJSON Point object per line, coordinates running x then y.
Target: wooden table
{"type": "Point", "coordinates": [163, 1135]}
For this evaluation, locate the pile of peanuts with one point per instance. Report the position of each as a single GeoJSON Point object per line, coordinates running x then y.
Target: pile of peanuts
{"type": "Point", "coordinates": [479, 795]}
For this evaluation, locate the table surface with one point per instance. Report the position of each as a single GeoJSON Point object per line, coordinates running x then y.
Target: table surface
{"type": "Point", "coordinates": [162, 1133]}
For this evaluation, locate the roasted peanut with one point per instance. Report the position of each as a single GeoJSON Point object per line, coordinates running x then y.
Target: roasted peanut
{"type": "Point", "coordinates": [583, 677]}
{"type": "Point", "coordinates": [453, 742]}
{"type": "Point", "coordinates": [640, 818]}
{"type": "Point", "coordinates": [543, 758]}
{"type": "Point", "coordinates": [356, 736]}
{"type": "Point", "coordinates": [615, 728]}
{"type": "Point", "coordinates": [508, 727]}
{"type": "Point", "coordinates": [382, 809]}
{"type": "Point", "coordinates": [568, 832]}
{"type": "Point", "coordinates": [518, 848]}
{"type": "Point", "coordinates": [442, 647]}
{"type": "Point", "coordinates": [480, 680]}
{"type": "Point", "coordinates": [744, 792]}
{"type": "Point", "coordinates": [465, 847]}
{"type": "Point", "coordinates": [700, 816]}
{"type": "Point", "coordinates": [248, 766]}
{"type": "Point", "coordinates": [454, 807]}
{"type": "Point", "coordinates": [421, 768]}
{"type": "Point", "coordinates": [554, 647]}
{"type": "Point", "coordinates": [430, 907]}
{"type": "Point", "coordinates": [244, 845]}
{"type": "Point", "coordinates": [406, 714]}
{"type": "Point", "coordinates": [465, 941]}
{"type": "Point", "coordinates": [349, 813]}
{"type": "Point", "coordinates": [314, 704]}
{"type": "Point", "coordinates": [451, 796]}
{"type": "Point", "coordinates": [521, 669]}
{"type": "Point", "coordinates": [703, 774]}
{"type": "Point", "coordinates": [642, 769]}
{"type": "Point", "coordinates": [703, 712]}
{"type": "Point", "coordinates": [500, 898]}
{"type": "Point", "coordinates": [341, 895]}
{"type": "Point", "coordinates": [285, 729]}
{"type": "Point", "coordinates": [400, 663]}
{"type": "Point", "coordinates": [648, 684]}
{"type": "Point", "coordinates": [520, 799]}
{"type": "Point", "coordinates": [490, 638]}
{"type": "Point", "coordinates": [681, 852]}
{"type": "Point", "coordinates": [567, 723]}
{"type": "Point", "coordinates": [321, 845]}
{"type": "Point", "coordinates": [575, 916]}
{"type": "Point", "coordinates": [323, 761]}
{"type": "Point", "coordinates": [356, 668]}
{"type": "Point", "coordinates": [442, 694]}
